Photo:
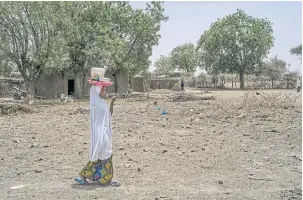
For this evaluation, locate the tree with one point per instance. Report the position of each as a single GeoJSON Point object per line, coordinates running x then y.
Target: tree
{"type": "Point", "coordinates": [275, 69]}
{"type": "Point", "coordinates": [297, 51]}
{"type": "Point", "coordinates": [79, 39]}
{"type": "Point", "coordinates": [129, 35]}
{"type": "Point", "coordinates": [111, 34]}
{"type": "Point", "coordinates": [6, 66]}
{"type": "Point", "coordinates": [184, 58]}
{"type": "Point", "coordinates": [290, 78]}
{"type": "Point", "coordinates": [203, 77]}
{"type": "Point", "coordinates": [237, 43]}
{"type": "Point", "coordinates": [27, 36]}
{"type": "Point", "coordinates": [163, 65]}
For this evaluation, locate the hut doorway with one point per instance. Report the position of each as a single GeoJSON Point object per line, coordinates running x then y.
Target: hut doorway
{"type": "Point", "coordinates": [71, 87]}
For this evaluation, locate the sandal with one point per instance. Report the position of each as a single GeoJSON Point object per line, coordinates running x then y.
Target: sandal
{"type": "Point", "coordinates": [81, 181]}
{"type": "Point", "coordinates": [114, 184]}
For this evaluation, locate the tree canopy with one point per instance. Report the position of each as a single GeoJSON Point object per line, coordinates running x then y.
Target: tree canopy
{"type": "Point", "coordinates": [163, 65]}
{"type": "Point", "coordinates": [237, 43]}
{"type": "Point", "coordinates": [27, 36]}
{"type": "Point", "coordinates": [75, 36]}
{"type": "Point", "coordinates": [275, 69]}
{"type": "Point", "coordinates": [184, 58]}
{"type": "Point", "coordinates": [128, 35]}
{"type": "Point", "coordinates": [297, 51]}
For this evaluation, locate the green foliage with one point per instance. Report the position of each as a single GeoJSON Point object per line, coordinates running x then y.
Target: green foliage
{"type": "Point", "coordinates": [163, 65]}
{"type": "Point", "coordinates": [291, 76]}
{"type": "Point", "coordinates": [77, 34]}
{"type": "Point", "coordinates": [6, 66]}
{"type": "Point", "coordinates": [275, 68]}
{"type": "Point", "coordinates": [184, 58]}
{"type": "Point", "coordinates": [42, 37]}
{"type": "Point", "coordinates": [237, 43]}
{"type": "Point", "coordinates": [27, 34]}
{"type": "Point", "coordinates": [297, 51]}
{"type": "Point", "coordinates": [127, 36]}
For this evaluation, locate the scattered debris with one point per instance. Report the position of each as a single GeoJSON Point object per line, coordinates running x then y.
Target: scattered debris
{"type": "Point", "coordinates": [182, 97]}
{"type": "Point", "coordinates": [8, 108]}
{"type": "Point", "coordinates": [261, 179]}
{"type": "Point", "coordinates": [164, 151]}
{"type": "Point", "coordinates": [127, 165]}
{"type": "Point", "coordinates": [17, 96]}
{"type": "Point", "coordinates": [17, 187]}
{"type": "Point", "coordinates": [23, 93]}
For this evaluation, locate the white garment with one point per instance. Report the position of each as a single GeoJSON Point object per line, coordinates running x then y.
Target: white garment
{"type": "Point", "coordinates": [298, 82]}
{"type": "Point", "coordinates": [101, 131]}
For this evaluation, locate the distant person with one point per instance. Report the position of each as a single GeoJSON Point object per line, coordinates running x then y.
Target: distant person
{"type": "Point", "coordinates": [298, 85]}
{"type": "Point", "coordinates": [182, 85]}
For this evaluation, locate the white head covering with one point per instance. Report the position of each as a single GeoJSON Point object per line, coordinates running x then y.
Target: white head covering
{"type": "Point", "coordinates": [101, 132]}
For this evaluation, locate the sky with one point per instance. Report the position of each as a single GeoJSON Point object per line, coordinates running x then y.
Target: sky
{"type": "Point", "coordinates": [188, 20]}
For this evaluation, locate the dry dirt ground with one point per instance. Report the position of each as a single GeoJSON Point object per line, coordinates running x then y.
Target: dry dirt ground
{"type": "Point", "coordinates": [239, 146]}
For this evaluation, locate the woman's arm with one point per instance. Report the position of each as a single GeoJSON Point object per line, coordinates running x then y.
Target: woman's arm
{"type": "Point", "coordinates": [102, 93]}
{"type": "Point", "coordinates": [111, 108]}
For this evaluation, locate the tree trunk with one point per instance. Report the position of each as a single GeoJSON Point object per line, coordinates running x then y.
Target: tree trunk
{"type": "Point", "coordinates": [116, 81]}
{"type": "Point", "coordinates": [78, 86]}
{"type": "Point", "coordinates": [232, 84]}
{"type": "Point", "coordinates": [131, 81]}
{"type": "Point", "coordinates": [83, 84]}
{"type": "Point", "coordinates": [241, 75]}
{"type": "Point", "coordinates": [272, 83]}
{"type": "Point", "coordinates": [30, 89]}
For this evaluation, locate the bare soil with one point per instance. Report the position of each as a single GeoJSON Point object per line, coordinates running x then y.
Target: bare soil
{"type": "Point", "coordinates": [239, 146]}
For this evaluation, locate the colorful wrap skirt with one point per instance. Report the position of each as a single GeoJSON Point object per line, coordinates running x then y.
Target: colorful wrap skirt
{"type": "Point", "coordinates": [100, 171]}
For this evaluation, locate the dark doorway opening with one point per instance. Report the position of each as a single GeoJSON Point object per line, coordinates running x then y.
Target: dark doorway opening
{"type": "Point", "coordinates": [71, 87]}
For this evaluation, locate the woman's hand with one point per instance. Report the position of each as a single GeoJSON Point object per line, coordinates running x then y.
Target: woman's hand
{"type": "Point", "coordinates": [103, 92]}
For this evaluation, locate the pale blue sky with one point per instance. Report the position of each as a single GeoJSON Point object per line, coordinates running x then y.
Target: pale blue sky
{"type": "Point", "coordinates": [188, 20]}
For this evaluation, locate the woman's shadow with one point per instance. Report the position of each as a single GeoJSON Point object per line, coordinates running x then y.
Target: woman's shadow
{"type": "Point", "coordinates": [92, 186]}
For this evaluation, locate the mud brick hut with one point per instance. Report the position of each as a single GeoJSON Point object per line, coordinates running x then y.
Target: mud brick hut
{"type": "Point", "coordinates": [166, 83]}
{"type": "Point", "coordinates": [52, 86]}
{"type": "Point", "coordinates": [140, 83]}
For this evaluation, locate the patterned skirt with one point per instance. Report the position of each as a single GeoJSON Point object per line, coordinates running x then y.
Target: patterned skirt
{"type": "Point", "coordinates": [100, 171]}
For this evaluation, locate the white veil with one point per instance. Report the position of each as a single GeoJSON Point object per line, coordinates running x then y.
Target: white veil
{"type": "Point", "coordinates": [101, 132]}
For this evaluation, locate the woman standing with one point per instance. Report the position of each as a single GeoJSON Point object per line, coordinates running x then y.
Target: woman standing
{"type": "Point", "coordinates": [298, 85]}
{"type": "Point", "coordinates": [100, 166]}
